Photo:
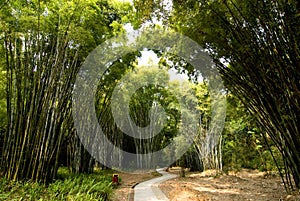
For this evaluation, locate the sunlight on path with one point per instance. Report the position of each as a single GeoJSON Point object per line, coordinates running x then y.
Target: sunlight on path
{"type": "Point", "coordinates": [149, 191]}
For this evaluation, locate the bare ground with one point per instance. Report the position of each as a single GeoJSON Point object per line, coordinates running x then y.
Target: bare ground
{"type": "Point", "coordinates": [244, 185]}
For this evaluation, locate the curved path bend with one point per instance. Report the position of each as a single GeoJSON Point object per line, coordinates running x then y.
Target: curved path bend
{"type": "Point", "coordinates": [149, 190]}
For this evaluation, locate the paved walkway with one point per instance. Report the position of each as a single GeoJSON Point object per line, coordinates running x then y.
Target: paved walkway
{"type": "Point", "coordinates": [149, 190]}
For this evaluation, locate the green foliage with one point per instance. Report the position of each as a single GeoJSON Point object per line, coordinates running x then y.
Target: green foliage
{"type": "Point", "coordinates": [3, 113]}
{"type": "Point", "coordinates": [260, 41]}
{"type": "Point", "coordinates": [43, 45]}
{"type": "Point", "coordinates": [244, 145]}
{"type": "Point", "coordinates": [68, 186]}
{"type": "Point", "coordinates": [141, 103]}
{"type": "Point", "coordinates": [46, 42]}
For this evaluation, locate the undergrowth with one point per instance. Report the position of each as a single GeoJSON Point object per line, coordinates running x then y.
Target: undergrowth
{"type": "Point", "coordinates": [67, 186]}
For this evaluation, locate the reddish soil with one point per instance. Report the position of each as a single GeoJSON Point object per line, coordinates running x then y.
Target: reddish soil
{"type": "Point", "coordinates": [244, 185]}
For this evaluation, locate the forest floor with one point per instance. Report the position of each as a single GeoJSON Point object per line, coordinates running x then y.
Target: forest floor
{"type": "Point", "coordinates": [245, 185]}
{"type": "Point", "coordinates": [235, 186]}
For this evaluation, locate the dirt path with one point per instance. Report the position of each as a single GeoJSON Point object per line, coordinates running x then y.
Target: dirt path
{"type": "Point", "coordinates": [149, 191]}
{"type": "Point", "coordinates": [124, 191]}
{"type": "Point", "coordinates": [245, 185]}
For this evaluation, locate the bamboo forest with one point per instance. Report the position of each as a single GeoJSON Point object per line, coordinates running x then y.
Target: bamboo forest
{"type": "Point", "coordinates": [132, 100]}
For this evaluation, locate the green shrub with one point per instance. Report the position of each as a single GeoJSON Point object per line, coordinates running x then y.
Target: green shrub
{"type": "Point", "coordinates": [67, 186]}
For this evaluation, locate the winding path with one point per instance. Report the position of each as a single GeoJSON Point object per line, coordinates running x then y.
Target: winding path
{"type": "Point", "coordinates": [149, 190]}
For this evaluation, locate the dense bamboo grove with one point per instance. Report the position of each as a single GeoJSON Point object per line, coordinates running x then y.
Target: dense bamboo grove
{"type": "Point", "coordinates": [260, 40]}
{"type": "Point", "coordinates": [43, 52]}
{"type": "Point", "coordinates": [38, 94]}
{"type": "Point", "coordinates": [255, 45]}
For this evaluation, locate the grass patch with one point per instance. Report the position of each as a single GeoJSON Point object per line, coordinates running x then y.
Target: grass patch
{"type": "Point", "coordinates": [67, 186]}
